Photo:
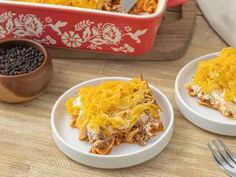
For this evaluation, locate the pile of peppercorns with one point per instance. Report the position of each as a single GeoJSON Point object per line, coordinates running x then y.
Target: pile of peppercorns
{"type": "Point", "coordinates": [19, 59]}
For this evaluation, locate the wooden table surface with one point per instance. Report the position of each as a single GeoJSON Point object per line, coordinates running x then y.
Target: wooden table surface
{"type": "Point", "coordinates": [27, 148]}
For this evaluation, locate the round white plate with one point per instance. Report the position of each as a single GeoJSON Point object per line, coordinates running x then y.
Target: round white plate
{"type": "Point", "coordinates": [124, 155]}
{"type": "Point", "coordinates": [204, 117]}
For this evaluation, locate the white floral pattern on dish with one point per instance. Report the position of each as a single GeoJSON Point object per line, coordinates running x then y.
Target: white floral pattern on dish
{"type": "Point", "coordinates": [86, 33]}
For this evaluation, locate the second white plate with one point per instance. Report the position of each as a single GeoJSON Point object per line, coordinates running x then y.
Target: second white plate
{"type": "Point", "coordinates": [204, 117]}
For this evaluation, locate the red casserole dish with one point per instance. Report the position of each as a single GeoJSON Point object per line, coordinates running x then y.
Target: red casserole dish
{"type": "Point", "coordinates": [72, 27]}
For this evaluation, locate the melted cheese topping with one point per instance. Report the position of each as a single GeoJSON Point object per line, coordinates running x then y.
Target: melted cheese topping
{"type": "Point", "coordinates": [90, 4]}
{"type": "Point", "coordinates": [218, 74]}
{"type": "Point", "coordinates": [113, 105]}
{"type": "Point", "coordinates": [142, 6]}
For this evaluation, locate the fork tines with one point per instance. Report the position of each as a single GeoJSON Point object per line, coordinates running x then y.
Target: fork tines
{"type": "Point", "coordinates": [223, 156]}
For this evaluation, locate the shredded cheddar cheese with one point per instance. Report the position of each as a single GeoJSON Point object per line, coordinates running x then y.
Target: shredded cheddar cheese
{"type": "Point", "coordinates": [142, 6]}
{"type": "Point", "coordinates": [90, 4]}
{"type": "Point", "coordinates": [71, 109]}
{"type": "Point", "coordinates": [218, 74]}
{"type": "Point", "coordinates": [113, 105]}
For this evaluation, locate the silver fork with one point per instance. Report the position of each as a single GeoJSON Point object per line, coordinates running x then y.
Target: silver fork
{"type": "Point", "coordinates": [225, 159]}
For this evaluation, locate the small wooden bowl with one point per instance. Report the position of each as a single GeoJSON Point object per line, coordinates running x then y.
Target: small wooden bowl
{"type": "Point", "coordinates": [24, 87]}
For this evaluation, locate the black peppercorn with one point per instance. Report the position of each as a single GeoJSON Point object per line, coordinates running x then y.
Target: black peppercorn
{"type": "Point", "coordinates": [19, 60]}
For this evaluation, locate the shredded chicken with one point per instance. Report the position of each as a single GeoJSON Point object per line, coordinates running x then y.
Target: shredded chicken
{"type": "Point", "coordinates": [214, 100]}
{"type": "Point", "coordinates": [145, 128]}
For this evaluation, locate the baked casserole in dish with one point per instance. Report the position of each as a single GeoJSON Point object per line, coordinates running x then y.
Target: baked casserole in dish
{"type": "Point", "coordinates": [82, 28]}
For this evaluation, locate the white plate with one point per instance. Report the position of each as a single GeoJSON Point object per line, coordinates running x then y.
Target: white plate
{"type": "Point", "coordinates": [124, 155]}
{"type": "Point", "coordinates": [204, 117]}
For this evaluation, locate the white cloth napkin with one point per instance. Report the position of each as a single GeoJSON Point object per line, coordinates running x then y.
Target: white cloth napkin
{"type": "Point", "coordinates": [221, 14]}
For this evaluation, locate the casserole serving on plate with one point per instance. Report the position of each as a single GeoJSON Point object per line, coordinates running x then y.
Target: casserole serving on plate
{"type": "Point", "coordinates": [124, 155]}
{"type": "Point", "coordinates": [77, 28]}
